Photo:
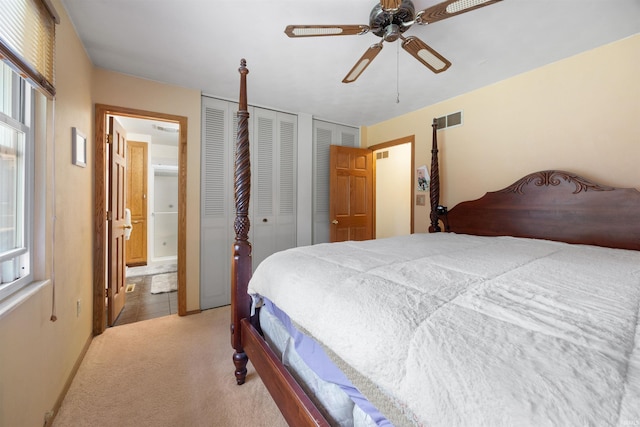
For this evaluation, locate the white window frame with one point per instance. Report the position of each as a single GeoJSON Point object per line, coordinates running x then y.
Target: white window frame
{"type": "Point", "coordinates": [18, 113]}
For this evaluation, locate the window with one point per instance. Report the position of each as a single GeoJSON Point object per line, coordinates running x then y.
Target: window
{"type": "Point", "coordinates": [16, 182]}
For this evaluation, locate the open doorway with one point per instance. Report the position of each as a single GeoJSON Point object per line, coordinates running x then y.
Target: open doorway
{"type": "Point", "coordinates": [173, 175]}
{"type": "Point", "coordinates": [394, 189]}
{"type": "Point", "coordinates": [151, 250]}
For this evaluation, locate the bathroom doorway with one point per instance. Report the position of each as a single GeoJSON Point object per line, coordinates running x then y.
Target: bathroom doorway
{"type": "Point", "coordinates": [152, 203]}
{"type": "Point", "coordinates": [103, 262]}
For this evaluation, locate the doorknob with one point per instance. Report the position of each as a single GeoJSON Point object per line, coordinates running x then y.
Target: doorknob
{"type": "Point", "coordinates": [335, 221]}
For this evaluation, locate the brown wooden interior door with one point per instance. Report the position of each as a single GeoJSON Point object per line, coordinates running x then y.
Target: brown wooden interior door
{"type": "Point", "coordinates": [351, 189]}
{"type": "Point", "coordinates": [136, 246]}
{"type": "Point", "coordinates": [116, 285]}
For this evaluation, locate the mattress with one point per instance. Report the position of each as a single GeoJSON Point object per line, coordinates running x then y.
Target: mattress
{"type": "Point", "coordinates": [446, 329]}
{"type": "Point", "coordinates": [332, 392]}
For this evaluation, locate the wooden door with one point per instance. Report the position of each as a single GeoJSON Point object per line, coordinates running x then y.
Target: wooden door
{"type": "Point", "coordinates": [351, 189]}
{"type": "Point", "coordinates": [324, 136]}
{"type": "Point", "coordinates": [136, 246]}
{"type": "Point", "coordinates": [116, 284]}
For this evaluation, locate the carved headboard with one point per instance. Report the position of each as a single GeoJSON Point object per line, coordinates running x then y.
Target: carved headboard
{"type": "Point", "coordinates": [554, 205]}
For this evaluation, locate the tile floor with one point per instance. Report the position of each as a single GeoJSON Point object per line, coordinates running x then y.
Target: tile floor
{"type": "Point", "coordinates": [141, 304]}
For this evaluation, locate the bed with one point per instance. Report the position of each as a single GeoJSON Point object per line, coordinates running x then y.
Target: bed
{"type": "Point", "coordinates": [518, 308]}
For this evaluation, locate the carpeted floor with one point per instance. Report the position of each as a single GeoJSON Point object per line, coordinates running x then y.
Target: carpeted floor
{"type": "Point", "coordinates": [169, 371]}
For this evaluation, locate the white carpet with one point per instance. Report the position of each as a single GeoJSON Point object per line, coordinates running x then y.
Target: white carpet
{"type": "Point", "coordinates": [167, 282]}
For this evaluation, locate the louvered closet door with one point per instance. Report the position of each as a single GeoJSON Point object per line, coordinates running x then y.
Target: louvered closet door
{"type": "Point", "coordinates": [287, 179]}
{"type": "Point", "coordinates": [348, 136]}
{"type": "Point", "coordinates": [322, 140]}
{"type": "Point", "coordinates": [216, 216]}
{"type": "Point", "coordinates": [326, 134]}
{"type": "Point", "coordinates": [272, 208]}
{"type": "Point", "coordinates": [273, 186]}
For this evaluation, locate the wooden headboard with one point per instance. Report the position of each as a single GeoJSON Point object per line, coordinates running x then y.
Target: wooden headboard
{"type": "Point", "coordinates": [551, 204]}
{"type": "Point", "coordinates": [554, 205]}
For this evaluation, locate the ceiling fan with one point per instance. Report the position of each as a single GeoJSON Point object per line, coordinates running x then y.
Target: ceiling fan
{"type": "Point", "coordinates": [388, 20]}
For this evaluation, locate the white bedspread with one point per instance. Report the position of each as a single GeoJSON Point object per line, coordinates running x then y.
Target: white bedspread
{"type": "Point", "coordinates": [474, 331]}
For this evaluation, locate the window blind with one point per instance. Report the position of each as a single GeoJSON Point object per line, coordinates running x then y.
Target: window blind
{"type": "Point", "coordinates": [27, 40]}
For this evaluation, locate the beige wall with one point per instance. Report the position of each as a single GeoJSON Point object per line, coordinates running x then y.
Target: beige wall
{"type": "Point", "coordinates": [579, 114]}
{"type": "Point", "coordinates": [125, 91]}
{"type": "Point", "coordinates": [38, 355]}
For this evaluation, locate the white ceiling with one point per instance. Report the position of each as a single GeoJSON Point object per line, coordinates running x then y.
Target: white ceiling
{"type": "Point", "coordinates": [198, 44]}
{"type": "Point", "coordinates": [162, 133]}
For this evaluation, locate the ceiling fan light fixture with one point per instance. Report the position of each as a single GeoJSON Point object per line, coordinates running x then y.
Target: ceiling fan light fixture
{"type": "Point", "coordinates": [391, 33]}
{"type": "Point", "coordinates": [399, 19]}
{"type": "Point", "coordinates": [389, 19]}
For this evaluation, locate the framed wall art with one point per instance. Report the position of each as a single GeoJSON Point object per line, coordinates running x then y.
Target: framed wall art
{"type": "Point", "coordinates": [78, 148]}
{"type": "Point", "coordinates": [423, 178]}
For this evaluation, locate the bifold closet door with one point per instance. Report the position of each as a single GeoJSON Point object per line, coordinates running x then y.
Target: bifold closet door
{"type": "Point", "coordinates": [273, 187]}
{"type": "Point", "coordinates": [217, 210]}
{"type": "Point", "coordinates": [272, 207]}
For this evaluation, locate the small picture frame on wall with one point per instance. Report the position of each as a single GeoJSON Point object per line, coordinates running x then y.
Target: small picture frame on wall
{"type": "Point", "coordinates": [423, 178]}
{"type": "Point", "coordinates": [78, 148]}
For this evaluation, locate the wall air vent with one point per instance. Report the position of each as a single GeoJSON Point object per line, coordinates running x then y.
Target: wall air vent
{"type": "Point", "coordinates": [450, 120]}
{"type": "Point", "coordinates": [382, 155]}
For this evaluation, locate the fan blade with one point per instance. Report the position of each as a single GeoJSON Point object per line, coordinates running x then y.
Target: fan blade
{"type": "Point", "coordinates": [390, 5]}
{"type": "Point", "coordinates": [425, 54]}
{"type": "Point", "coordinates": [450, 8]}
{"type": "Point", "coordinates": [362, 63]}
{"type": "Point", "coordinates": [325, 30]}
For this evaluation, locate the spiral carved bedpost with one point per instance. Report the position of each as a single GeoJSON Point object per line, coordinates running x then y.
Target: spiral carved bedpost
{"type": "Point", "coordinates": [434, 186]}
{"type": "Point", "coordinates": [241, 264]}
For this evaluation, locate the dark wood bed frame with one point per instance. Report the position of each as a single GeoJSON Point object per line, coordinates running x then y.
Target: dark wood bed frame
{"type": "Point", "coordinates": [552, 205]}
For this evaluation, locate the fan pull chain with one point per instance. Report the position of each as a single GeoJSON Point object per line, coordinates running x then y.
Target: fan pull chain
{"type": "Point", "coordinates": [397, 73]}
